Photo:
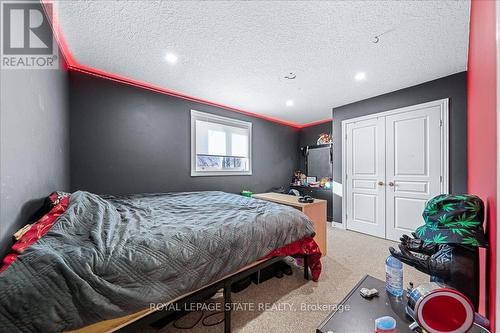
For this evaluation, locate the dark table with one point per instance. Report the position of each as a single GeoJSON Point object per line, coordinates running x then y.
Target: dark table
{"type": "Point", "coordinates": [361, 315]}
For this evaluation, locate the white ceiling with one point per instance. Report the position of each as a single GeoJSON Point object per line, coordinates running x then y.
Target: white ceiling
{"type": "Point", "coordinates": [237, 52]}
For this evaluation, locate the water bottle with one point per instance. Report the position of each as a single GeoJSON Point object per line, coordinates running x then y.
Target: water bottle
{"type": "Point", "coordinates": [394, 276]}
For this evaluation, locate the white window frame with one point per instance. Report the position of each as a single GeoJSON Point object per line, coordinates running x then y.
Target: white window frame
{"type": "Point", "coordinates": [203, 116]}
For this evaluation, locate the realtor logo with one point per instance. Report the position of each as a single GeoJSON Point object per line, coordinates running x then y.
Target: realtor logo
{"type": "Point", "coordinates": [27, 39]}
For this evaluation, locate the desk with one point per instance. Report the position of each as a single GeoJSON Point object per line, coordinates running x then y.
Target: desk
{"type": "Point", "coordinates": [316, 211]}
{"type": "Point", "coordinates": [318, 193]}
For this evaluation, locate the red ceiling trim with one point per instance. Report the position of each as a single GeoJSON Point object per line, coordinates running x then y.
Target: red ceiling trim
{"type": "Point", "coordinates": [48, 8]}
{"type": "Point", "coordinates": [313, 123]}
{"type": "Point", "coordinates": [135, 83]}
{"type": "Point", "coordinates": [73, 64]}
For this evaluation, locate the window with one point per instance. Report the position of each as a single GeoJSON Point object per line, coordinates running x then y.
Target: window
{"type": "Point", "coordinates": [220, 145]}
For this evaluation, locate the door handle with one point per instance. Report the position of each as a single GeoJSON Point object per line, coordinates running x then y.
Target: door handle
{"type": "Point", "coordinates": [391, 183]}
{"type": "Point", "coordinates": [380, 183]}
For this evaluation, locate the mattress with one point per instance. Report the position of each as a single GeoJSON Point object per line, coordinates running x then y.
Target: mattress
{"type": "Point", "coordinates": [109, 256]}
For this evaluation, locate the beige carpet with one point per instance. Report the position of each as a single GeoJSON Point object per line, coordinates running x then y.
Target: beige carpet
{"type": "Point", "coordinates": [292, 303]}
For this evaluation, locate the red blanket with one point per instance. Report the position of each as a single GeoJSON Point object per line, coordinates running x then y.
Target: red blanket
{"type": "Point", "coordinates": [38, 229]}
{"type": "Point", "coordinates": [303, 246]}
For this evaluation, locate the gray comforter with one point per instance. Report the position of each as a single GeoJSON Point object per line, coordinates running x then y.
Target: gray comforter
{"type": "Point", "coordinates": [108, 256]}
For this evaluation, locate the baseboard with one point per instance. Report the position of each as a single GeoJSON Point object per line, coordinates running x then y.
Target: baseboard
{"type": "Point", "coordinates": [338, 225]}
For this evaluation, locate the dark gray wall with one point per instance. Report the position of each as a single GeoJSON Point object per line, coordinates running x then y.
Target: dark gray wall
{"type": "Point", "coordinates": [308, 136]}
{"type": "Point", "coordinates": [453, 87]}
{"type": "Point", "coordinates": [130, 140]}
{"type": "Point", "coordinates": [34, 148]}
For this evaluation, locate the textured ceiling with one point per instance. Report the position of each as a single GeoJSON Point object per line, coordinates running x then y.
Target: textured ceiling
{"type": "Point", "coordinates": [237, 53]}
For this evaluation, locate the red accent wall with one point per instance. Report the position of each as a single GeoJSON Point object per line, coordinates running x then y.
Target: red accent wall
{"type": "Point", "coordinates": [482, 141]}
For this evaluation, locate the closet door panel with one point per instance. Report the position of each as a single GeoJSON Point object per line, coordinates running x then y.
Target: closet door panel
{"type": "Point", "coordinates": [413, 167]}
{"type": "Point", "coordinates": [365, 174]}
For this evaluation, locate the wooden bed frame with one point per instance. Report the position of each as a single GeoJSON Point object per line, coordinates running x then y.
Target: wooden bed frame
{"type": "Point", "coordinates": [133, 322]}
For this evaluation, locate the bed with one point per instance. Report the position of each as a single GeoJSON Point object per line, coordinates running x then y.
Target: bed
{"type": "Point", "coordinates": [106, 256]}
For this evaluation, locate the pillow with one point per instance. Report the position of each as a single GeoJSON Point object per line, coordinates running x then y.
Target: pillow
{"type": "Point", "coordinates": [37, 230]}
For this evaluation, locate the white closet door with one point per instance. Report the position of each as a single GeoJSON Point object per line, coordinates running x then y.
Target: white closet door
{"type": "Point", "coordinates": [413, 167]}
{"type": "Point", "coordinates": [365, 169]}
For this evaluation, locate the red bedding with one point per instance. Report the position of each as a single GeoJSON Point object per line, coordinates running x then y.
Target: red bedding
{"type": "Point", "coordinates": [303, 246]}
{"type": "Point", "coordinates": [38, 229]}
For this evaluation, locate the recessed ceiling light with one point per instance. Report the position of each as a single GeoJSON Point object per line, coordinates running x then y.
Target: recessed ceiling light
{"type": "Point", "coordinates": [360, 76]}
{"type": "Point", "coordinates": [289, 102]}
{"type": "Point", "coordinates": [171, 58]}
